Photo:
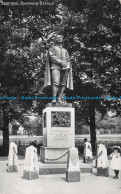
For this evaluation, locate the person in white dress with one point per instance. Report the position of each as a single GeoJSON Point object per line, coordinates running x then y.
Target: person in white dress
{"type": "Point", "coordinates": [87, 150]}
{"type": "Point", "coordinates": [116, 161]}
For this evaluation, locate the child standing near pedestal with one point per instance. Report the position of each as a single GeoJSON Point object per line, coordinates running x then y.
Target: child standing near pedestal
{"type": "Point", "coordinates": [116, 161]}
{"type": "Point", "coordinates": [87, 150]}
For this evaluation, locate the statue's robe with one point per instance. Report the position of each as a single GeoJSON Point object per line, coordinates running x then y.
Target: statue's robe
{"type": "Point", "coordinates": [47, 80]}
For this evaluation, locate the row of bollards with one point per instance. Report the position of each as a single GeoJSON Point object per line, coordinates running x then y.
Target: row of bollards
{"type": "Point", "coordinates": [31, 166]}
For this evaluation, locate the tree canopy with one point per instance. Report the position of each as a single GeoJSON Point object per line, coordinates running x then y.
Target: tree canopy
{"type": "Point", "coordinates": [92, 36]}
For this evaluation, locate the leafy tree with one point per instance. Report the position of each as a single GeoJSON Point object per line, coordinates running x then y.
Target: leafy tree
{"type": "Point", "coordinates": [22, 57]}
{"type": "Point", "coordinates": [94, 37]}
{"type": "Point", "coordinates": [91, 34]}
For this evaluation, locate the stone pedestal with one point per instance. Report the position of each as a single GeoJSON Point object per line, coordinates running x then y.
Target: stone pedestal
{"type": "Point", "coordinates": [58, 132]}
{"type": "Point", "coordinates": [53, 153]}
{"type": "Point", "coordinates": [13, 158]}
{"type": "Point", "coordinates": [31, 167]}
{"type": "Point", "coordinates": [73, 168]}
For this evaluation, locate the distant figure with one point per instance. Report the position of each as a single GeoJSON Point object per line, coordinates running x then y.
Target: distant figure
{"type": "Point", "coordinates": [30, 133]}
{"type": "Point", "coordinates": [102, 160]}
{"type": "Point", "coordinates": [116, 161]}
{"type": "Point", "coordinates": [20, 130]}
{"type": "Point", "coordinates": [87, 150]}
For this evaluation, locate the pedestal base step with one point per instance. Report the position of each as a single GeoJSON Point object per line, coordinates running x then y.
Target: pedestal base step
{"type": "Point", "coordinates": [61, 168]}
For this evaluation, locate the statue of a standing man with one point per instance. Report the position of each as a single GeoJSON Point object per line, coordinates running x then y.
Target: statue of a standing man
{"type": "Point", "coordinates": [58, 72]}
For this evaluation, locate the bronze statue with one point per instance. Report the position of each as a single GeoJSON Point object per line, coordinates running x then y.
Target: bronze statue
{"type": "Point", "coordinates": [58, 72]}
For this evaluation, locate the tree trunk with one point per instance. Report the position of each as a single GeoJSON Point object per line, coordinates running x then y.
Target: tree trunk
{"type": "Point", "coordinates": [5, 133]}
{"type": "Point", "coordinates": [92, 127]}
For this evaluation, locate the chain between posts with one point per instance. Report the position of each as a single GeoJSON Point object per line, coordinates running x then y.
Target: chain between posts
{"type": "Point", "coordinates": [17, 153]}
{"type": "Point", "coordinates": [93, 158]}
{"type": "Point", "coordinates": [48, 159]}
{"type": "Point", "coordinates": [54, 159]}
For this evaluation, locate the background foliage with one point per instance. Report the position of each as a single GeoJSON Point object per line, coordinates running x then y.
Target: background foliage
{"type": "Point", "coordinates": [92, 36]}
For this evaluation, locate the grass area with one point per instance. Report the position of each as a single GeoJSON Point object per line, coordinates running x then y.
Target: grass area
{"type": "Point", "coordinates": [24, 139]}
{"type": "Point", "coordinates": [39, 139]}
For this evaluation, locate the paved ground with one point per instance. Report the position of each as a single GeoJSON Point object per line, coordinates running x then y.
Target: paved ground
{"type": "Point", "coordinates": [13, 183]}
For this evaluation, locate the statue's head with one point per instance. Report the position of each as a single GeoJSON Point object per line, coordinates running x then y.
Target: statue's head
{"type": "Point", "coordinates": [58, 39]}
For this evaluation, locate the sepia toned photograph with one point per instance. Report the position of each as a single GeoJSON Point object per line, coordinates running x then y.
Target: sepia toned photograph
{"type": "Point", "coordinates": [60, 97]}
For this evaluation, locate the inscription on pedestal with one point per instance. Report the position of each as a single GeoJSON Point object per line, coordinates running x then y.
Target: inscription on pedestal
{"type": "Point", "coordinates": [60, 119]}
{"type": "Point", "coordinates": [61, 134]}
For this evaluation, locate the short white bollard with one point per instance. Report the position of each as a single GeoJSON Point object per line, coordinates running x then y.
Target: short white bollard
{"type": "Point", "coordinates": [73, 168]}
{"type": "Point", "coordinates": [13, 158]}
{"type": "Point", "coordinates": [31, 167]}
{"type": "Point", "coordinates": [102, 161]}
